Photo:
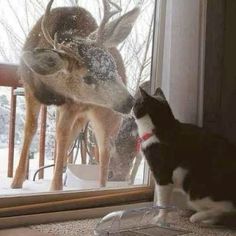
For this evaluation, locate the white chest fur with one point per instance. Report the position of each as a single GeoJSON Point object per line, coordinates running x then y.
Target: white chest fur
{"type": "Point", "coordinates": [145, 125]}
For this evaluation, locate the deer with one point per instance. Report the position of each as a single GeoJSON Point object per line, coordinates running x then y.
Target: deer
{"type": "Point", "coordinates": [71, 62]}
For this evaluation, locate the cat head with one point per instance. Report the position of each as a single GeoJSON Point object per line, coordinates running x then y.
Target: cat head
{"type": "Point", "coordinates": [155, 106]}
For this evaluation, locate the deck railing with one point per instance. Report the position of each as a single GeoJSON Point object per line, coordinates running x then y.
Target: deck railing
{"type": "Point", "coordinates": [9, 78]}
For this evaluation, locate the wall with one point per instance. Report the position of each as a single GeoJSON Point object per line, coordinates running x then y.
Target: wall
{"type": "Point", "coordinates": [228, 97]}
{"type": "Point", "coordinates": [220, 76]}
{"type": "Point", "coordinates": [183, 57]}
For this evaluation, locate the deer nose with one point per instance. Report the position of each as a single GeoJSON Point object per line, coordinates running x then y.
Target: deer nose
{"type": "Point", "coordinates": [126, 106]}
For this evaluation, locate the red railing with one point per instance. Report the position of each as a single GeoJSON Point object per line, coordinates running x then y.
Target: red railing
{"type": "Point", "coordinates": [9, 78]}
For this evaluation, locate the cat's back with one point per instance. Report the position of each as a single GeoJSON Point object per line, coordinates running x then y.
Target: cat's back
{"type": "Point", "coordinates": [191, 139]}
{"type": "Point", "coordinates": [203, 146]}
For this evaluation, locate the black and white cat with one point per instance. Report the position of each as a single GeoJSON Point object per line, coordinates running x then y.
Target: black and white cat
{"type": "Point", "coordinates": [184, 156]}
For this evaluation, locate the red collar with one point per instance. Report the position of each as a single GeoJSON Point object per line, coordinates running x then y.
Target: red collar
{"type": "Point", "coordinates": [143, 138]}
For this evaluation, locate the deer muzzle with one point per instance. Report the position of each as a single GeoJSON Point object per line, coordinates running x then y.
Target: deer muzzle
{"type": "Point", "coordinates": [126, 106]}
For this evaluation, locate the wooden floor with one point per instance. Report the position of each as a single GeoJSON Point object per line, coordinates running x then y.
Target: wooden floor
{"type": "Point", "coordinates": [23, 232]}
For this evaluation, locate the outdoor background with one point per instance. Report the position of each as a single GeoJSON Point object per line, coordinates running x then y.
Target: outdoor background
{"type": "Point", "coordinates": [17, 17]}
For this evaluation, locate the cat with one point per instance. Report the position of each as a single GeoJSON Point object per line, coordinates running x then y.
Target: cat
{"type": "Point", "coordinates": [186, 157]}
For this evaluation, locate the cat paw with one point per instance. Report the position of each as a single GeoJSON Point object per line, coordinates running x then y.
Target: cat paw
{"type": "Point", "coordinates": [195, 218]}
{"type": "Point", "coordinates": [160, 219]}
{"type": "Point", "coordinates": [203, 218]}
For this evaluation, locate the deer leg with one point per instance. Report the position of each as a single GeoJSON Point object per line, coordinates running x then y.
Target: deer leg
{"type": "Point", "coordinates": [64, 137]}
{"type": "Point", "coordinates": [32, 111]}
{"type": "Point", "coordinates": [105, 124]}
{"type": "Point", "coordinates": [104, 155]}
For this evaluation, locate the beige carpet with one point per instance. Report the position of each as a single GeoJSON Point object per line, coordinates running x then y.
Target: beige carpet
{"type": "Point", "coordinates": [85, 228]}
{"type": "Point", "coordinates": [22, 232]}
{"type": "Point", "coordinates": [70, 228]}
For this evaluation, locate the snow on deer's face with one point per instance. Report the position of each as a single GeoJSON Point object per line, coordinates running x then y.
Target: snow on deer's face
{"type": "Point", "coordinates": [102, 81]}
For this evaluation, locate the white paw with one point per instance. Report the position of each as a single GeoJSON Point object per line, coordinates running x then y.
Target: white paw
{"type": "Point", "coordinates": [160, 219]}
{"type": "Point", "coordinates": [201, 217]}
{"type": "Point", "coordinates": [194, 218]}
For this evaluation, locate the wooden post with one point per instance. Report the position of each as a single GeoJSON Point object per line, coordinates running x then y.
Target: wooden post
{"type": "Point", "coordinates": [11, 134]}
{"type": "Point", "coordinates": [42, 138]}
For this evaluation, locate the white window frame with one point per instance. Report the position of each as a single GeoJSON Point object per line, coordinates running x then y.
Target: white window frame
{"type": "Point", "coordinates": [181, 59]}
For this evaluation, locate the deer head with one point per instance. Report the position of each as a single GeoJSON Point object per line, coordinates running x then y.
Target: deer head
{"type": "Point", "coordinates": [83, 68]}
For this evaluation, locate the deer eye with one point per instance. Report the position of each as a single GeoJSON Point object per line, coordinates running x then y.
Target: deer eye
{"type": "Point", "coordinates": [89, 80]}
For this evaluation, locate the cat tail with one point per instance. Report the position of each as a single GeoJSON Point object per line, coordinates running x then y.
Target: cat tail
{"type": "Point", "coordinates": [227, 220]}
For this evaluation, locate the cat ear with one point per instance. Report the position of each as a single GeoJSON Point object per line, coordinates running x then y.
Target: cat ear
{"type": "Point", "coordinates": [159, 94]}
{"type": "Point", "coordinates": [144, 94]}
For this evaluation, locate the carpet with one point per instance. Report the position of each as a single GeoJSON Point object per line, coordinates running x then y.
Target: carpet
{"type": "Point", "coordinates": [22, 232]}
{"type": "Point", "coordinates": [85, 227]}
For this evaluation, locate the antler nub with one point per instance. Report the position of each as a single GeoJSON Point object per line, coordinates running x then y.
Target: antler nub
{"type": "Point", "coordinates": [43, 24]}
{"type": "Point", "coordinates": [54, 42]}
{"type": "Point", "coordinates": [106, 17]}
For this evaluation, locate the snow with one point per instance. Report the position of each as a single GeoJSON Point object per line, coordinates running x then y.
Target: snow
{"type": "Point", "coordinates": [43, 185]}
{"type": "Point", "coordinates": [29, 187]}
{"type": "Point", "coordinates": [101, 64]}
{"type": "Point", "coordinates": [33, 163]}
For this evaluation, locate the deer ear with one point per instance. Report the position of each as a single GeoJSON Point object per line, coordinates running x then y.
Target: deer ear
{"type": "Point", "coordinates": [117, 31]}
{"type": "Point", "coordinates": [43, 61]}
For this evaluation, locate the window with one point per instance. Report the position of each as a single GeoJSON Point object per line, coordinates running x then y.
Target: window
{"type": "Point", "coordinates": [80, 177]}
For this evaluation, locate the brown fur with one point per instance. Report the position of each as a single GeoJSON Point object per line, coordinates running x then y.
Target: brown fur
{"type": "Point", "coordinates": [72, 115]}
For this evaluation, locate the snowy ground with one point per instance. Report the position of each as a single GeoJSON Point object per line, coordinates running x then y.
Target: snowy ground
{"type": "Point", "coordinates": [29, 186]}
{"type": "Point", "coordinates": [37, 186]}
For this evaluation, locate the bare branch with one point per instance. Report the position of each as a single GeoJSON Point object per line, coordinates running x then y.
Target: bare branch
{"type": "Point", "coordinates": [11, 32]}
{"type": "Point", "coordinates": [3, 54]}
{"type": "Point", "coordinates": [40, 4]}
{"type": "Point", "coordinates": [17, 18]}
{"type": "Point", "coordinates": [27, 15]}
{"type": "Point", "coordinates": [108, 13]}
{"type": "Point", "coordinates": [149, 38]}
